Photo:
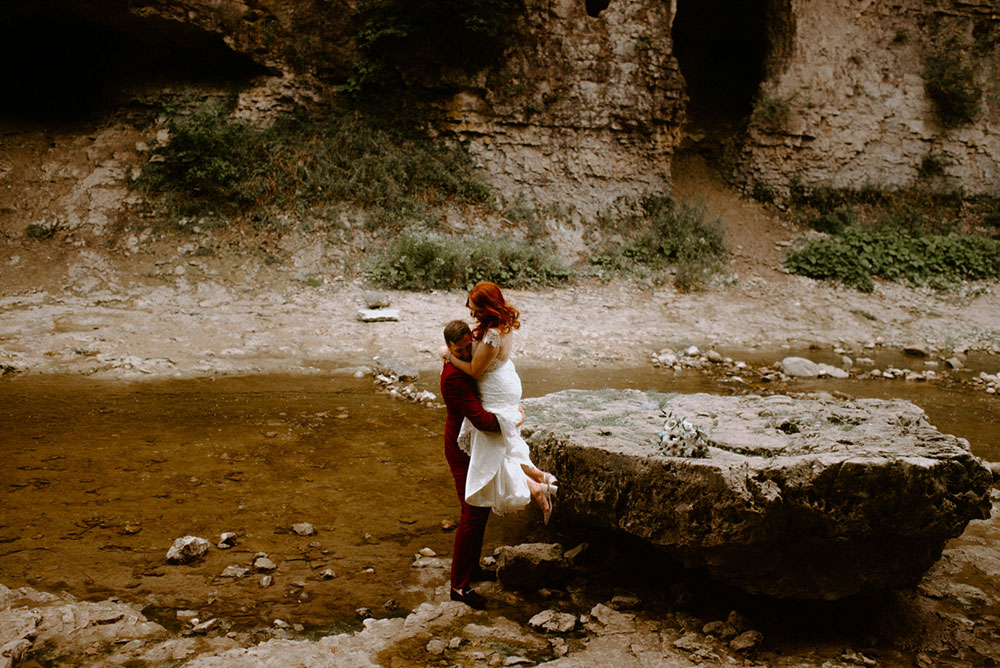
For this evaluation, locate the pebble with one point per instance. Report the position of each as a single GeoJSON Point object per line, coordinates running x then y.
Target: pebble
{"type": "Point", "coordinates": [186, 616]}
{"type": "Point", "coordinates": [427, 552]}
{"type": "Point", "coordinates": [327, 574]}
{"type": "Point", "coordinates": [264, 565]}
{"type": "Point", "coordinates": [553, 622]}
{"type": "Point", "coordinates": [722, 630]}
{"type": "Point", "coordinates": [187, 549]}
{"type": "Point", "coordinates": [226, 540]}
{"type": "Point", "coordinates": [235, 572]}
{"type": "Point", "coordinates": [436, 647]}
{"type": "Point", "coordinates": [266, 581]}
{"type": "Point", "coordinates": [748, 641]}
{"type": "Point", "coordinates": [917, 349]}
{"type": "Point", "coordinates": [205, 627]}
{"type": "Point", "coordinates": [304, 529]}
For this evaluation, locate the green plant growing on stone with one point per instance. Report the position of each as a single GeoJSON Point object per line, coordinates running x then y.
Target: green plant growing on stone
{"type": "Point", "coordinates": [951, 84]}
{"type": "Point", "coordinates": [770, 112]}
{"type": "Point", "coordinates": [933, 165]}
{"type": "Point", "coordinates": [762, 192]}
{"type": "Point", "coordinates": [834, 221]}
{"type": "Point", "coordinates": [40, 232]}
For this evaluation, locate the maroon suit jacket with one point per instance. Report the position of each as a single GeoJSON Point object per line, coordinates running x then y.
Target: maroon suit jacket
{"type": "Point", "coordinates": [459, 392]}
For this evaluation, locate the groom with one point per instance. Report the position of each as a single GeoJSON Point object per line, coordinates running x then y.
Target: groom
{"type": "Point", "coordinates": [459, 392]}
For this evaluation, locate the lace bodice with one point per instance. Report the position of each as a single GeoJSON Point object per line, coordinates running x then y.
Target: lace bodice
{"type": "Point", "coordinates": [494, 339]}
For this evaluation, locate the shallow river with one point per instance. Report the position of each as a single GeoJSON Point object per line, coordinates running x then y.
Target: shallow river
{"type": "Point", "coordinates": [98, 478]}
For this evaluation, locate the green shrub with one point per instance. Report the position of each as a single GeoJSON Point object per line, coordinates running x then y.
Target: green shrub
{"type": "Point", "coordinates": [835, 221]}
{"type": "Point", "coordinates": [933, 165]}
{"type": "Point", "coordinates": [665, 233]}
{"type": "Point", "coordinates": [856, 255]}
{"type": "Point", "coordinates": [414, 37]}
{"type": "Point", "coordinates": [215, 166]}
{"type": "Point", "coordinates": [950, 83]}
{"type": "Point", "coordinates": [420, 259]}
{"type": "Point", "coordinates": [40, 232]}
{"type": "Point", "coordinates": [762, 192]}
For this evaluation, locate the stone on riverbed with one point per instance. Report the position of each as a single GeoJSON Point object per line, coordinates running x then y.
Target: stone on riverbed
{"type": "Point", "coordinates": [796, 498]}
{"type": "Point", "coordinates": [187, 549]}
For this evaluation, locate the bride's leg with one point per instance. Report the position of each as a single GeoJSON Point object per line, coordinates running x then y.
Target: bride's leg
{"type": "Point", "coordinates": [533, 473]}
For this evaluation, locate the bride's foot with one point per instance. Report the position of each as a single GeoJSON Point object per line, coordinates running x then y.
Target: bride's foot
{"type": "Point", "coordinates": [540, 497]}
{"type": "Point", "coordinates": [543, 494]}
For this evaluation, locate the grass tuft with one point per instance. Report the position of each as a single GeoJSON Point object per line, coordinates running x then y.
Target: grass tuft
{"type": "Point", "coordinates": [666, 233]}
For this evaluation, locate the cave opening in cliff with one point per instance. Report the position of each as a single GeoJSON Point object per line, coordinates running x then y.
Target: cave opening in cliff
{"type": "Point", "coordinates": [66, 63]}
{"type": "Point", "coordinates": [723, 48]}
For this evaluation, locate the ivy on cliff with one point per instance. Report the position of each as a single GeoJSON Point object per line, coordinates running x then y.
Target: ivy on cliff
{"type": "Point", "coordinates": [401, 40]}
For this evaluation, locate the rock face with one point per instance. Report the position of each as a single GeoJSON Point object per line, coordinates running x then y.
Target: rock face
{"type": "Point", "coordinates": [586, 110]}
{"type": "Point", "coordinates": [796, 498]}
{"type": "Point", "coordinates": [857, 111]}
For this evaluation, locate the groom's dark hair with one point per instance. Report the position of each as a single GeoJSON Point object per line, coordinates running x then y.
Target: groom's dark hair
{"type": "Point", "coordinates": [455, 330]}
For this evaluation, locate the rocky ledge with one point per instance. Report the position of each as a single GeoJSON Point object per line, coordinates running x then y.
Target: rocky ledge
{"type": "Point", "coordinates": [793, 498]}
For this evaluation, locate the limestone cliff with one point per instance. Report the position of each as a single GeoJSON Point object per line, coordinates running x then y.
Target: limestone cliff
{"type": "Point", "coordinates": [592, 98]}
{"type": "Point", "coordinates": [852, 107]}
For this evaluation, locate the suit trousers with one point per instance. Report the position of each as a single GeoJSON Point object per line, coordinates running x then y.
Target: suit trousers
{"type": "Point", "coordinates": [471, 523]}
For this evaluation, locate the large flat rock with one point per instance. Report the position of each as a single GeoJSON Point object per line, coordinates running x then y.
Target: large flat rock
{"type": "Point", "coordinates": [796, 498]}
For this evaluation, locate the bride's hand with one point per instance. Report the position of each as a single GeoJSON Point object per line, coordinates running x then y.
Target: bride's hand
{"type": "Point", "coordinates": [443, 352]}
{"type": "Point", "coordinates": [521, 411]}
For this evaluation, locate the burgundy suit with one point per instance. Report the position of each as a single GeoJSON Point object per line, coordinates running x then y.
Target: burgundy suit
{"type": "Point", "coordinates": [459, 392]}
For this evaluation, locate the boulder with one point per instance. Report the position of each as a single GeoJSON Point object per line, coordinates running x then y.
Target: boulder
{"type": "Point", "coordinates": [375, 300]}
{"type": "Point", "coordinates": [795, 498]}
{"type": "Point", "coordinates": [530, 566]}
{"type": "Point", "coordinates": [800, 366]}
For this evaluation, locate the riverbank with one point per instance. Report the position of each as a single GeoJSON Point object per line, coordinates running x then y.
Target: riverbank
{"type": "Point", "coordinates": [184, 328]}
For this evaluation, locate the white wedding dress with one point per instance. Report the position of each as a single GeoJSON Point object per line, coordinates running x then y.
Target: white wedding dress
{"type": "Point", "coordinates": [496, 479]}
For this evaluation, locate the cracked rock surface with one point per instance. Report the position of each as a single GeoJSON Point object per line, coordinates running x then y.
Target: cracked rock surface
{"type": "Point", "coordinates": [797, 498]}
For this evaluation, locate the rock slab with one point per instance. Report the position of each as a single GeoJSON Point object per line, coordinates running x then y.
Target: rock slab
{"type": "Point", "coordinates": [796, 498]}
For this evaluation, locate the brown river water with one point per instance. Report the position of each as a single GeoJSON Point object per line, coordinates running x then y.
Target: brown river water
{"type": "Point", "coordinates": [98, 478]}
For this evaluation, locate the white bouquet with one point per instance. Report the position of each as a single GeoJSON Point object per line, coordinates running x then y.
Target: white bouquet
{"type": "Point", "coordinates": [680, 438]}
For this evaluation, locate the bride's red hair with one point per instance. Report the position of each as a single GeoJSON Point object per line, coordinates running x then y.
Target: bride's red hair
{"type": "Point", "coordinates": [496, 312]}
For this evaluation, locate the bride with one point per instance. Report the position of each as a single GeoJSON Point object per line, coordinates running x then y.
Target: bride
{"type": "Point", "coordinates": [501, 475]}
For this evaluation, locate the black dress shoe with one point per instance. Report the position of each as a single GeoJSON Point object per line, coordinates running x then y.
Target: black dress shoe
{"type": "Point", "coordinates": [480, 574]}
{"type": "Point", "coordinates": [470, 598]}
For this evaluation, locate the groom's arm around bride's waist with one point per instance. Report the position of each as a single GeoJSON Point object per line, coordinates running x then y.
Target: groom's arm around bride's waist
{"type": "Point", "coordinates": [459, 394]}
